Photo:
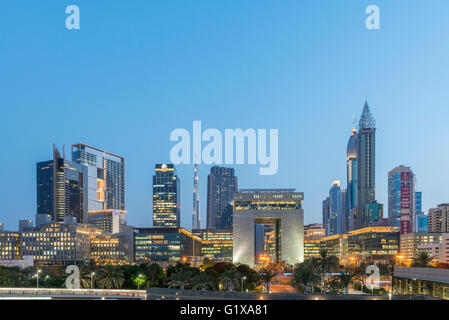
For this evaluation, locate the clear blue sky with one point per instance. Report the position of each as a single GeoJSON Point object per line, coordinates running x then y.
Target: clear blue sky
{"type": "Point", "coordinates": [136, 70]}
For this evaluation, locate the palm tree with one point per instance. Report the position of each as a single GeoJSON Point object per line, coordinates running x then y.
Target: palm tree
{"type": "Point", "coordinates": [155, 274]}
{"type": "Point", "coordinates": [304, 276]}
{"type": "Point", "coordinates": [180, 278]}
{"type": "Point", "coordinates": [229, 279]}
{"type": "Point", "coordinates": [422, 260]}
{"type": "Point", "coordinates": [202, 281]}
{"type": "Point", "coordinates": [110, 277]}
{"type": "Point", "coordinates": [85, 278]}
{"type": "Point", "coordinates": [325, 263]}
{"type": "Point", "coordinates": [347, 276]}
{"type": "Point", "coordinates": [266, 277]}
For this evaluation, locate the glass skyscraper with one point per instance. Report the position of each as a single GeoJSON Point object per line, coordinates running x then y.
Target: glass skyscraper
{"type": "Point", "coordinates": [401, 199]}
{"type": "Point", "coordinates": [166, 197]}
{"type": "Point", "coordinates": [351, 186]}
{"type": "Point", "coordinates": [221, 186]}
{"type": "Point", "coordinates": [105, 179]}
{"type": "Point", "coordinates": [366, 167]}
{"type": "Point", "coordinates": [60, 190]}
{"type": "Point", "coordinates": [335, 209]}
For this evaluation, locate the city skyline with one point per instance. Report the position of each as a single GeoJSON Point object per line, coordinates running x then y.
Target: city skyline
{"type": "Point", "coordinates": [305, 77]}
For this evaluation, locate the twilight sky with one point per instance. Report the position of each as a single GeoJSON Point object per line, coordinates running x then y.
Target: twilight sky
{"type": "Point", "coordinates": [137, 70]}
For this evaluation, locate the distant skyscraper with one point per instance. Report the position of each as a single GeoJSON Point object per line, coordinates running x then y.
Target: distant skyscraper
{"type": "Point", "coordinates": [60, 190]}
{"type": "Point", "coordinates": [335, 209]}
{"type": "Point", "coordinates": [375, 211]}
{"type": "Point", "coordinates": [418, 201]}
{"type": "Point", "coordinates": [166, 197]}
{"type": "Point", "coordinates": [196, 214]}
{"type": "Point", "coordinates": [351, 187]}
{"type": "Point", "coordinates": [401, 198]}
{"type": "Point", "coordinates": [439, 218]}
{"type": "Point", "coordinates": [326, 210]}
{"type": "Point", "coordinates": [366, 166]}
{"type": "Point", "coordinates": [105, 180]}
{"type": "Point", "coordinates": [227, 217]}
{"type": "Point", "coordinates": [221, 186]}
{"type": "Point", "coordinates": [343, 221]}
{"type": "Point", "coordinates": [421, 223]}
{"type": "Point", "coordinates": [25, 224]}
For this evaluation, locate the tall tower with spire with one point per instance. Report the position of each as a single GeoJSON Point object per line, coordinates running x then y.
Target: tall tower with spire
{"type": "Point", "coordinates": [196, 217]}
{"type": "Point", "coordinates": [366, 166]}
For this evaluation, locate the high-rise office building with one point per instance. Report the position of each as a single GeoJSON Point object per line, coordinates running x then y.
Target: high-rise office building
{"type": "Point", "coordinates": [325, 211]}
{"type": "Point", "coordinates": [25, 224]}
{"type": "Point", "coordinates": [166, 197]}
{"type": "Point", "coordinates": [335, 209]}
{"type": "Point", "coordinates": [196, 212]}
{"type": "Point", "coordinates": [366, 166]}
{"type": "Point", "coordinates": [221, 186]}
{"type": "Point", "coordinates": [227, 217]}
{"type": "Point", "coordinates": [418, 201]}
{"type": "Point", "coordinates": [439, 218]}
{"type": "Point", "coordinates": [351, 186]}
{"type": "Point", "coordinates": [281, 211]}
{"type": "Point", "coordinates": [421, 223]}
{"type": "Point", "coordinates": [401, 198]}
{"type": "Point", "coordinates": [105, 179]}
{"type": "Point", "coordinates": [343, 220]}
{"type": "Point", "coordinates": [60, 188]}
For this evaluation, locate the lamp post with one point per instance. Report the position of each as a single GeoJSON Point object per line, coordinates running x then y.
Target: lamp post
{"type": "Point", "coordinates": [243, 278]}
{"type": "Point", "coordinates": [46, 277]}
{"type": "Point", "coordinates": [37, 276]}
{"type": "Point", "coordinates": [138, 281]}
{"type": "Point", "coordinates": [91, 279]}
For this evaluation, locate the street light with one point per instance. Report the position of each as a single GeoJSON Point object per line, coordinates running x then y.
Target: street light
{"type": "Point", "coordinates": [46, 277]}
{"type": "Point", "coordinates": [37, 276]}
{"type": "Point", "coordinates": [243, 278]}
{"type": "Point", "coordinates": [138, 281]}
{"type": "Point", "coordinates": [91, 279]}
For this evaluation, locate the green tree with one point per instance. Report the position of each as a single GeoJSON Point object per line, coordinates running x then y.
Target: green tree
{"type": "Point", "coordinates": [304, 276]}
{"type": "Point", "coordinates": [110, 277]}
{"type": "Point", "coordinates": [202, 281]}
{"type": "Point", "coordinates": [155, 274]}
{"type": "Point", "coordinates": [180, 278]}
{"type": "Point", "coordinates": [230, 279]}
{"type": "Point", "coordinates": [140, 280]}
{"type": "Point", "coordinates": [325, 263]}
{"type": "Point", "coordinates": [266, 277]}
{"type": "Point", "coordinates": [421, 260]}
{"type": "Point", "coordinates": [347, 276]}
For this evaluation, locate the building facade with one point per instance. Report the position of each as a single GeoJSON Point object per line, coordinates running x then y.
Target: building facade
{"type": "Point", "coordinates": [366, 167]}
{"type": "Point", "coordinates": [216, 244]}
{"type": "Point", "coordinates": [221, 186]}
{"type": "Point", "coordinates": [438, 219]}
{"type": "Point", "coordinates": [335, 209]}
{"type": "Point", "coordinates": [166, 197]}
{"type": "Point", "coordinates": [104, 182]}
{"type": "Point", "coordinates": [401, 198]}
{"type": "Point", "coordinates": [351, 178]}
{"type": "Point", "coordinates": [165, 245]}
{"type": "Point", "coordinates": [196, 211]}
{"type": "Point", "coordinates": [279, 208]}
{"type": "Point", "coordinates": [60, 188]}
{"type": "Point", "coordinates": [10, 246]}
{"type": "Point", "coordinates": [109, 220]}
{"type": "Point", "coordinates": [410, 242]}
{"type": "Point", "coordinates": [326, 214]}
{"type": "Point", "coordinates": [57, 244]}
